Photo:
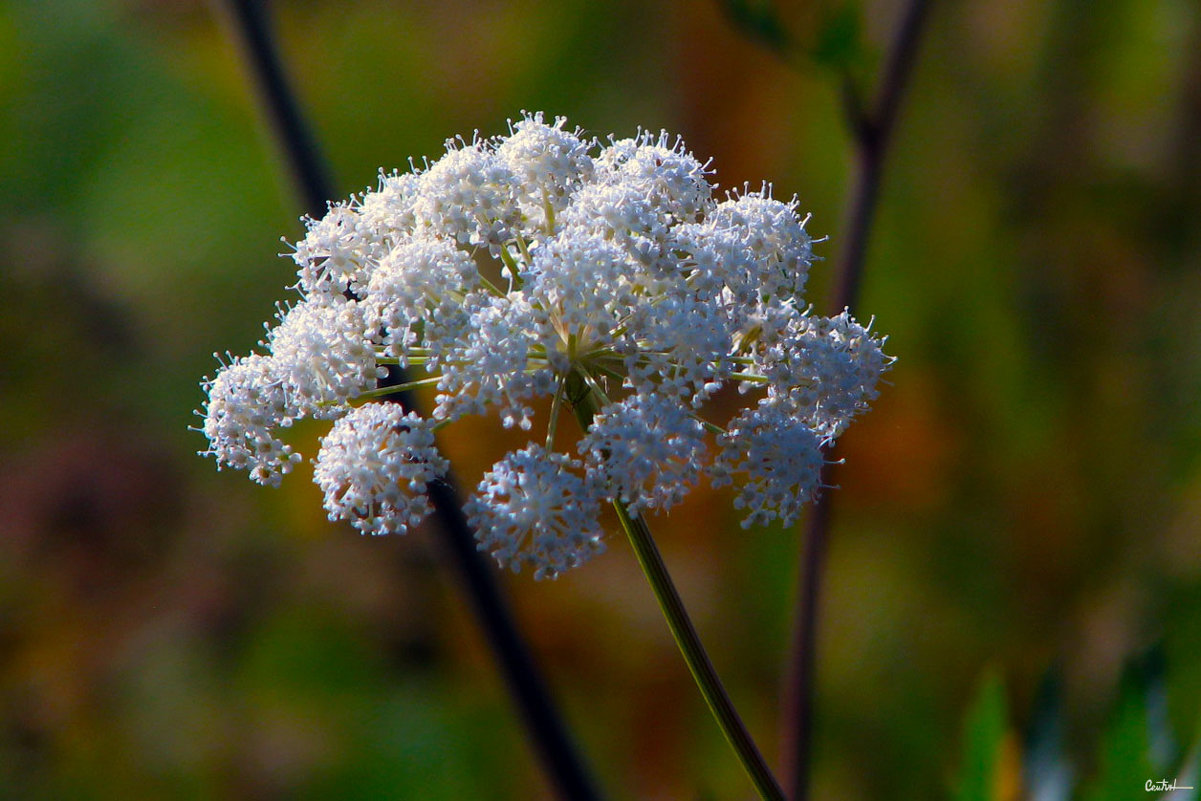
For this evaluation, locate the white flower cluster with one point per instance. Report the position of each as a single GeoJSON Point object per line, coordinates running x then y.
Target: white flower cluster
{"type": "Point", "coordinates": [544, 265]}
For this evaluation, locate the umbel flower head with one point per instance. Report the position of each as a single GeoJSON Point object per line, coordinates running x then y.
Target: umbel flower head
{"type": "Point", "coordinates": [606, 278]}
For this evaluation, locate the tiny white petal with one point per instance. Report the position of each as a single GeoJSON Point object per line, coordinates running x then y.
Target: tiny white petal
{"type": "Point", "coordinates": [373, 468]}
{"type": "Point", "coordinates": [534, 509]}
{"type": "Point", "coordinates": [645, 450]}
{"type": "Point", "coordinates": [781, 457]}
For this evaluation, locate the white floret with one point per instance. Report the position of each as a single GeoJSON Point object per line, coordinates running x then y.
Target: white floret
{"type": "Point", "coordinates": [325, 353]}
{"type": "Point", "coordinates": [388, 212]}
{"type": "Point", "coordinates": [469, 195]}
{"type": "Point", "coordinates": [625, 215]}
{"type": "Point", "coordinates": [420, 279]}
{"type": "Point", "coordinates": [826, 368]}
{"type": "Point", "coordinates": [374, 466]}
{"type": "Point", "coordinates": [645, 450]}
{"type": "Point", "coordinates": [581, 285]}
{"type": "Point", "coordinates": [754, 247]}
{"type": "Point", "coordinates": [488, 364]}
{"type": "Point", "coordinates": [533, 508]}
{"type": "Point", "coordinates": [781, 458]}
{"type": "Point", "coordinates": [662, 170]}
{"type": "Point", "coordinates": [549, 163]}
{"type": "Point", "coordinates": [338, 254]}
{"type": "Point", "coordinates": [247, 402]}
{"type": "Point", "coordinates": [681, 348]}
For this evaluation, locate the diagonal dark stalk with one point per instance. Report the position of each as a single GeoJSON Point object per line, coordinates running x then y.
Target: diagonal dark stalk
{"type": "Point", "coordinates": [872, 132]}
{"type": "Point", "coordinates": [545, 726]}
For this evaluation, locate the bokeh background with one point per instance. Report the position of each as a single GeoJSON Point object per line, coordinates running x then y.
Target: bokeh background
{"type": "Point", "coordinates": [1023, 501]}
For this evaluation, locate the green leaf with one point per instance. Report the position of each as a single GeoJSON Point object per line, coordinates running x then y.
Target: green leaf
{"type": "Point", "coordinates": [983, 742]}
{"type": "Point", "coordinates": [839, 38]}
{"type": "Point", "coordinates": [1124, 762]}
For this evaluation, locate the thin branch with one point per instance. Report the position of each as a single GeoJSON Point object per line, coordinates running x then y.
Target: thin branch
{"type": "Point", "coordinates": [872, 132]}
{"type": "Point", "coordinates": [524, 682]}
{"type": "Point", "coordinates": [308, 169]}
{"type": "Point", "coordinates": [697, 659]}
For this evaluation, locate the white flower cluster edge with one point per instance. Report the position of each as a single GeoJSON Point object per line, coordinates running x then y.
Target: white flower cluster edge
{"type": "Point", "coordinates": [543, 265]}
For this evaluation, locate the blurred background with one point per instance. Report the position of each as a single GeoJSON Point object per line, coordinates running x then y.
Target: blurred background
{"type": "Point", "coordinates": [1023, 501]}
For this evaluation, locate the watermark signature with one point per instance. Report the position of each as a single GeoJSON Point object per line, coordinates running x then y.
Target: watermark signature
{"type": "Point", "coordinates": [1164, 785]}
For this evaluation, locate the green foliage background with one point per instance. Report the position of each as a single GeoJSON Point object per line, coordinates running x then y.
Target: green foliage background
{"type": "Point", "coordinates": [1025, 494]}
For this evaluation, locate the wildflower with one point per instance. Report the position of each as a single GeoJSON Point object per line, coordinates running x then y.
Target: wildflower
{"type": "Point", "coordinates": [535, 509]}
{"type": "Point", "coordinates": [782, 459]}
{"type": "Point", "coordinates": [324, 354]}
{"type": "Point", "coordinates": [646, 450]}
{"type": "Point", "coordinates": [545, 269]}
{"type": "Point", "coordinates": [247, 404]}
{"type": "Point", "coordinates": [373, 468]}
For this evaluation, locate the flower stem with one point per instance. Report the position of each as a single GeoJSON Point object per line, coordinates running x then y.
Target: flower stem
{"type": "Point", "coordinates": [555, 407]}
{"type": "Point", "coordinates": [586, 405]}
{"type": "Point", "coordinates": [396, 389]}
{"type": "Point", "coordinates": [694, 653]}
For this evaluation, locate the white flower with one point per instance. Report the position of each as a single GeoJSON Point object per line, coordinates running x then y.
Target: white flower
{"type": "Point", "coordinates": [374, 466]}
{"type": "Point", "coordinates": [645, 450]}
{"type": "Point", "coordinates": [826, 367]}
{"type": "Point", "coordinates": [534, 509]}
{"type": "Point", "coordinates": [662, 170]}
{"type": "Point", "coordinates": [752, 247]}
{"type": "Point", "coordinates": [336, 255]}
{"type": "Point", "coordinates": [387, 215]}
{"type": "Point", "coordinates": [420, 280]}
{"type": "Point", "coordinates": [542, 265]}
{"type": "Point", "coordinates": [468, 195]}
{"type": "Point", "coordinates": [325, 354]}
{"type": "Point", "coordinates": [488, 365]}
{"type": "Point", "coordinates": [549, 164]}
{"type": "Point", "coordinates": [248, 401]}
{"type": "Point", "coordinates": [680, 348]}
{"type": "Point", "coordinates": [781, 457]}
{"type": "Point", "coordinates": [623, 214]}
{"type": "Point", "coordinates": [582, 287]}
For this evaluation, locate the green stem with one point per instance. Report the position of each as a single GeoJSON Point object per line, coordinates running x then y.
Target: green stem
{"type": "Point", "coordinates": [507, 258]}
{"type": "Point", "coordinates": [682, 630]}
{"type": "Point", "coordinates": [555, 406]}
{"type": "Point", "coordinates": [383, 392]}
{"type": "Point", "coordinates": [694, 653]}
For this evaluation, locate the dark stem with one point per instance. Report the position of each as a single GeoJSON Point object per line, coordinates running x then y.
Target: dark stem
{"type": "Point", "coordinates": [796, 735]}
{"type": "Point", "coordinates": [872, 131]}
{"type": "Point", "coordinates": [522, 677]}
{"type": "Point", "coordinates": [248, 19]}
{"type": "Point", "coordinates": [523, 680]}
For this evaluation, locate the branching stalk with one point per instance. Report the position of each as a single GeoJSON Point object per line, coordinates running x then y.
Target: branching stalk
{"type": "Point", "coordinates": [871, 130]}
